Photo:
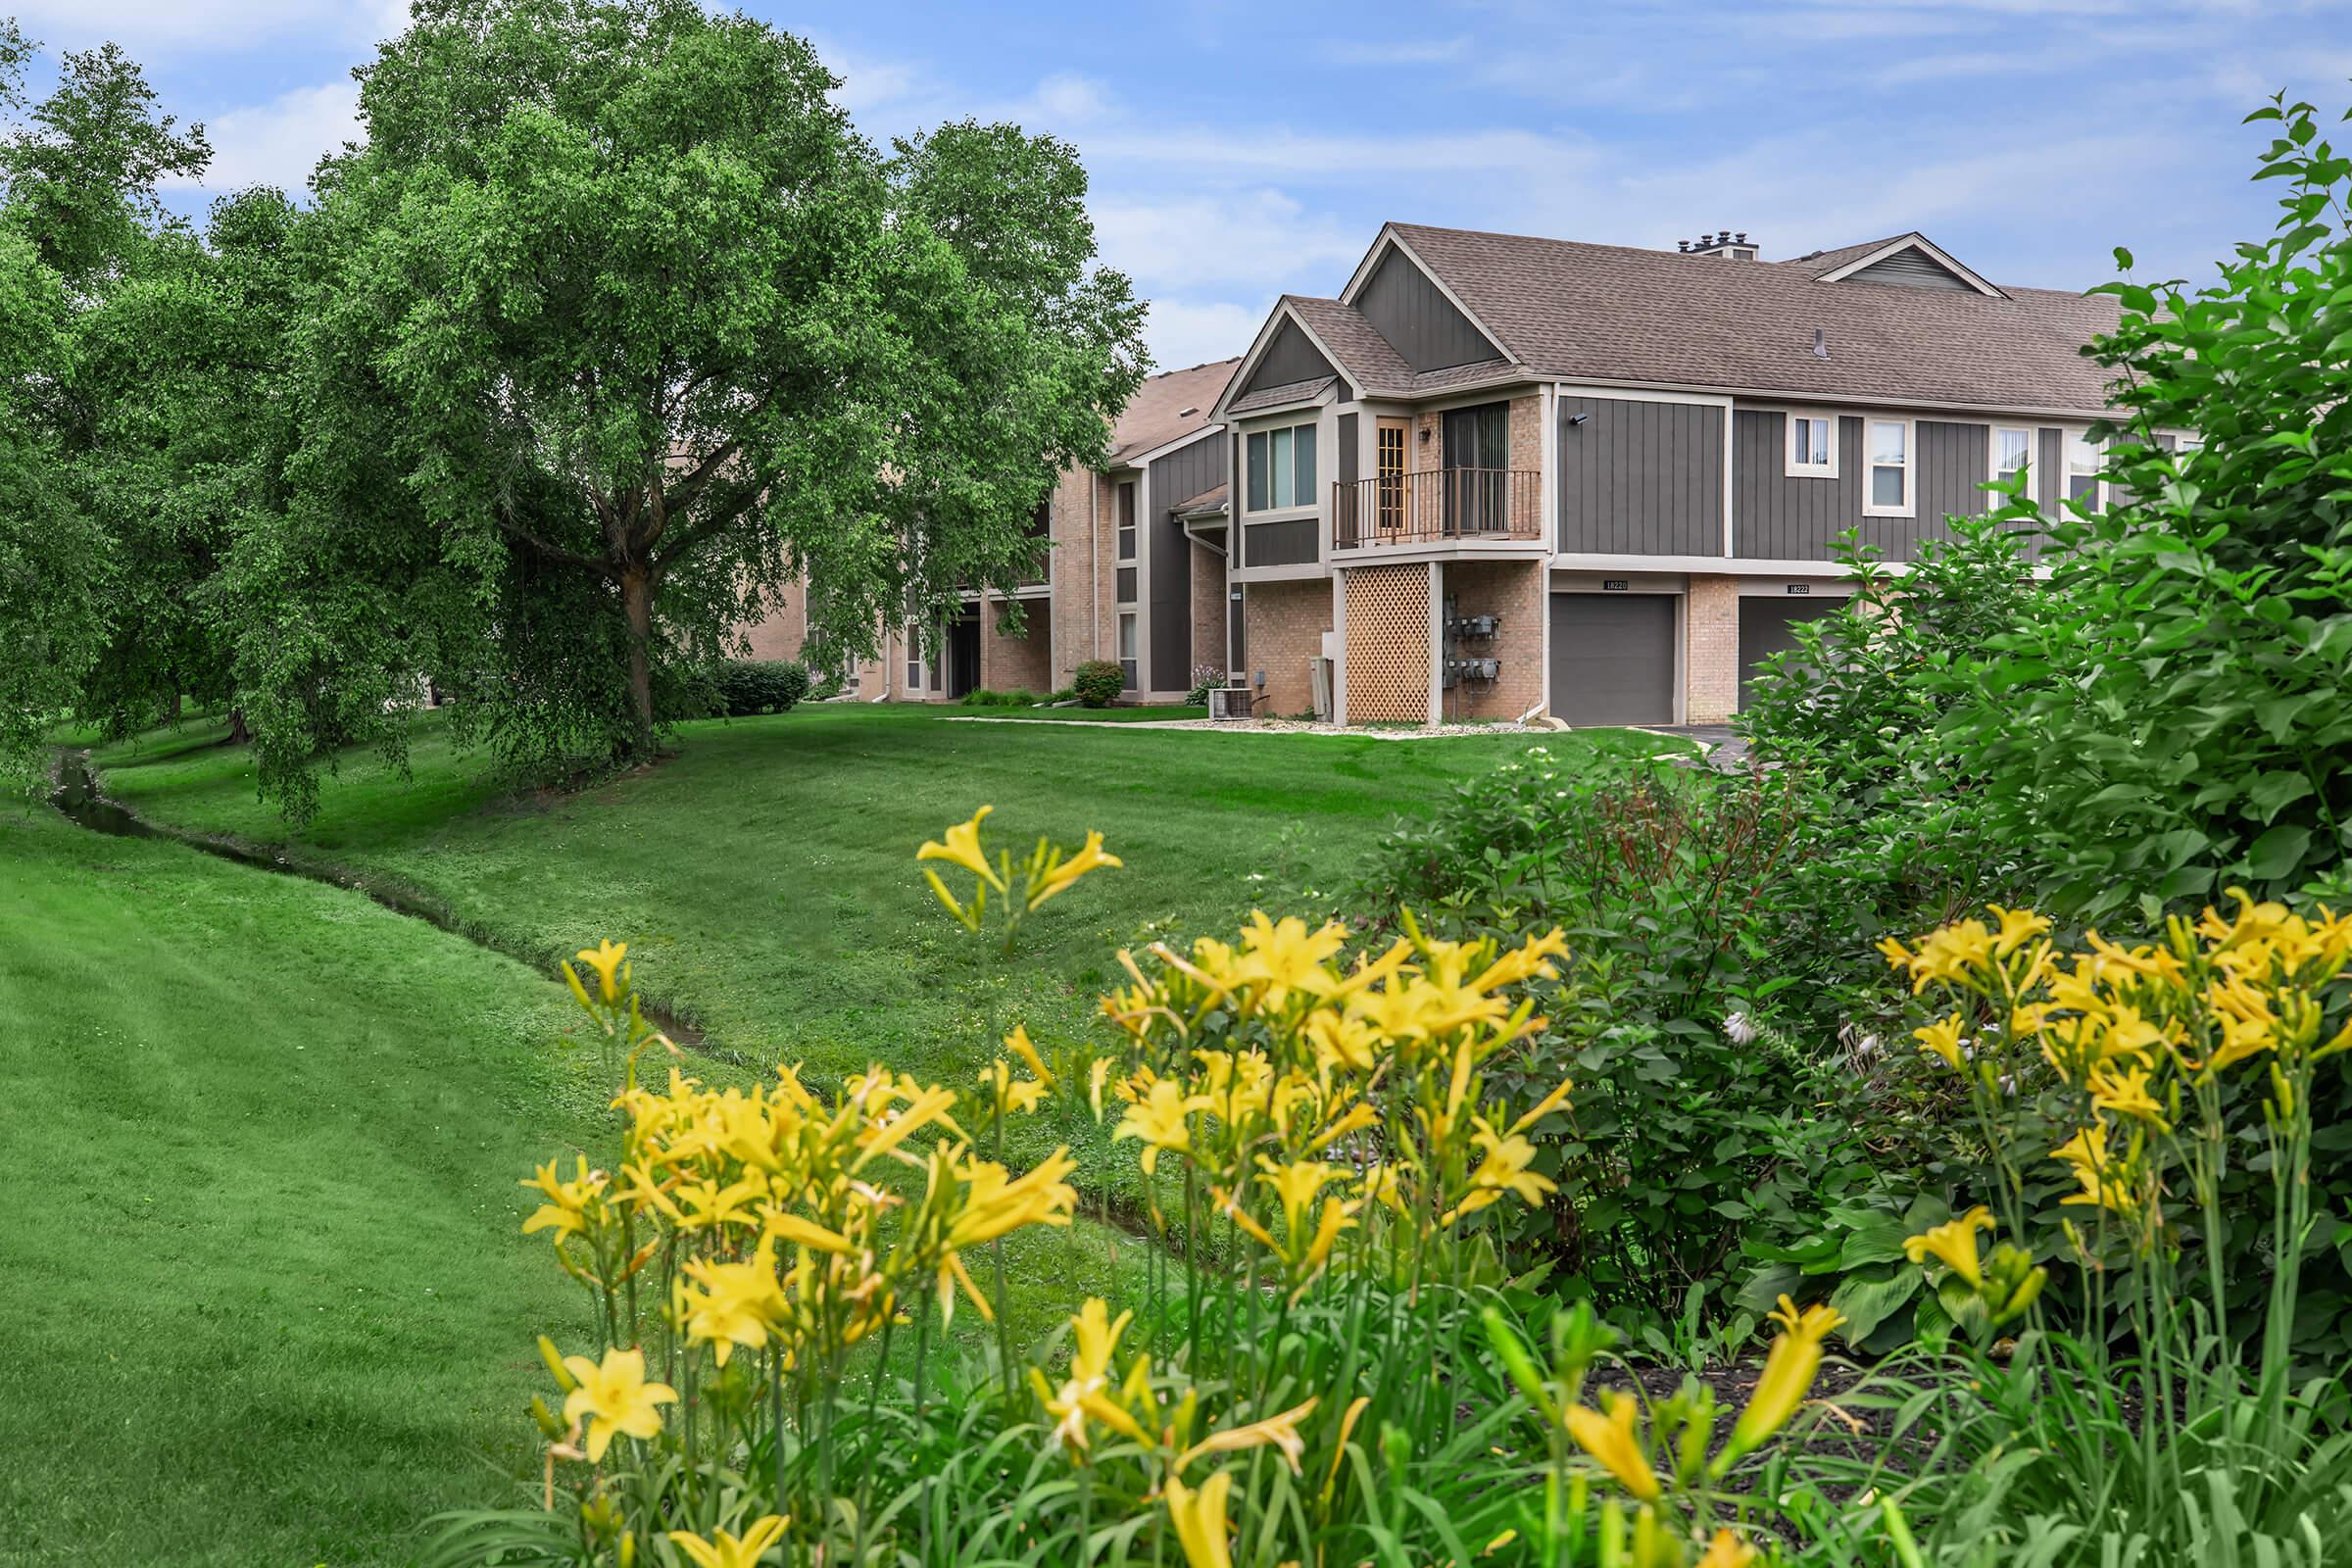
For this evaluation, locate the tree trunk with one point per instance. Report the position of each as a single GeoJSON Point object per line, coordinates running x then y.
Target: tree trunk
{"type": "Point", "coordinates": [637, 603]}
{"type": "Point", "coordinates": [240, 733]}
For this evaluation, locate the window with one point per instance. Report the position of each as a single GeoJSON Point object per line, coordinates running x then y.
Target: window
{"type": "Point", "coordinates": [1812, 446]}
{"type": "Point", "coordinates": [1887, 454]}
{"type": "Point", "coordinates": [1476, 451]}
{"type": "Point", "coordinates": [914, 657]}
{"type": "Point", "coordinates": [2012, 453]}
{"type": "Point", "coordinates": [2083, 461]}
{"type": "Point", "coordinates": [1127, 520]}
{"type": "Point", "coordinates": [1282, 468]}
{"type": "Point", "coordinates": [1127, 647]}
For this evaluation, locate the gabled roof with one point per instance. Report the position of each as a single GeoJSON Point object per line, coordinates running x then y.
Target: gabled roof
{"type": "Point", "coordinates": [1280, 397]}
{"type": "Point", "coordinates": [1614, 312]}
{"type": "Point", "coordinates": [1355, 343]}
{"type": "Point", "coordinates": [1155, 415]}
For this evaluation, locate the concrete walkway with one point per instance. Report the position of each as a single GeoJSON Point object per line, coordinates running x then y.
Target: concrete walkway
{"type": "Point", "coordinates": [1268, 726]}
{"type": "Point", "coordinates": [1726, 750]}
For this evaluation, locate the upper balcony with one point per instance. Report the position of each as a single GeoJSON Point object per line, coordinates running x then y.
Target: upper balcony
{"type": "Point", "coordinates": [1438, 507]}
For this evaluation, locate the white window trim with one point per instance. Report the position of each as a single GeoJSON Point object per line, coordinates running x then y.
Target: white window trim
{"type": "Point", "coordinates": [2065, 466]}
{"type": "Point", "coordinates": [1312, 424]}
{"type": "Point", "coordinates": [1910, 505]}
{"type": "Point", "coordinates": [1992, 454]}
{"type": "Point", "coordinates": [1790, 466]}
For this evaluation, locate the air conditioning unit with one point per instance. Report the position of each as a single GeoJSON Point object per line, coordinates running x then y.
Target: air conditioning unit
{"type": "Point", "coordinates": [1229, 703]}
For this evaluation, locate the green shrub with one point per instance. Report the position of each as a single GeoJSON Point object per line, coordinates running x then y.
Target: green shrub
{"type": "Point", "coordinates": [1017, 697]}
{"type": "Point", "coordinates": [1699, 1140]}
{"type": "Point", "coordinates": [1097, 683]}
{"type": "Point", "coordinates": [747, 686]}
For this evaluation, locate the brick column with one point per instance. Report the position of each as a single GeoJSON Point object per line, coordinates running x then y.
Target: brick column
{"type": "Point", "coordinates": [1711, 650]}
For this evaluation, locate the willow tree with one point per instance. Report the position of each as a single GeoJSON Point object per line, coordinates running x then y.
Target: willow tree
{"type": "Point", "coordinates": [621, 327]}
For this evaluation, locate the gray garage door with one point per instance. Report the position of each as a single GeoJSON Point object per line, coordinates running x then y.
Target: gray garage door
{"type": "Point", "coordinates": [1766, 628]}
{"type": "Point", "coordinates": [1612, 658]}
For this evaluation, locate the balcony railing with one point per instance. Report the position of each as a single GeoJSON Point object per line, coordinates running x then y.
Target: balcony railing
{"type": "Point", "coordinates": [1436, 504]}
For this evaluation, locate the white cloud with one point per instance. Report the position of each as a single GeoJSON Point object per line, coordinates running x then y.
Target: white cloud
{"type": "Point", "coordinates": [1066, 99]}
{"type": "Point", "coordinates": [1418, 52]}
{"type": "Point", "coordinates": [1183, 333]}
{"type": "Point", "coordinates": [1263, 239]}
{"type": "Point", "coordinates": [279, 142]}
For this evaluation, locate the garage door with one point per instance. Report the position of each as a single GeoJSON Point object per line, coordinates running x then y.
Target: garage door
{"type": "Point", "coordinates": [1612, 658]}
{"type": "Point", "coordinates": [1767, 627]}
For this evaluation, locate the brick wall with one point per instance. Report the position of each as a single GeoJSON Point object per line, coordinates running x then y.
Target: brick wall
{"type": "Point", "coordinates": [1209, 647]}
{"type": "Point", "coordinates": [1283, 624]}
{"type": "Point", "coordinates": [1711, 650]}
{"type": "Point", "coordinates": [1513, 590]}
{"type": "Point", "coordinates": [1083, 624]}
{"type": "Point", "coordinates": [786, 628]}
{"type": "Point", "coordinates": [1022, 663]}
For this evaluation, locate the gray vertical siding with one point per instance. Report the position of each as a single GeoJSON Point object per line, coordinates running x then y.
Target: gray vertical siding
{"type": "Point", "coordinates": [1419, 322]}
{"type": "Point", "coordinates": [1175, 479]}
{"type": "Point", "coordinates": [1641, 477]}
{"type": "Point", "coordinates": [1909, 269]}
{"type": "Point", "coordinates": [1775, 518]}
{"type": "Point", "coordinates": [1289, 357]}
{"type": "Point", "coordinates": [2049, 484]}
{"type": "Point", "coordinates": [1281, 544]}
{"type": "Point", "coordinates": [1348, 456]}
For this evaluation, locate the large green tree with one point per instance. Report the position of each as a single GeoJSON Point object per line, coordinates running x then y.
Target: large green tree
{"type": "Point", "coordinates": [619, 327]}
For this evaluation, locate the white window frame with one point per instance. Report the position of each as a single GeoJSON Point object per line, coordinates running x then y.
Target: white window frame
{"type": "Point", "coordinates": [1309, 429]}
{"type": "Point", "coordinates": [1910, 503]}
{"type": "Point", "coordinates": [1795, 470]}
{"type": "Point", "coordinates": [1130, 648]}
{"type": "Point", "coordinates": [1992, 453]}
{"type": "Point", "coordinates": [2068, 474]}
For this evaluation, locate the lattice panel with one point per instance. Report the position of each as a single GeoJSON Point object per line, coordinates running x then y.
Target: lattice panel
{"type": "Point", "coordinates": [1388, 644]}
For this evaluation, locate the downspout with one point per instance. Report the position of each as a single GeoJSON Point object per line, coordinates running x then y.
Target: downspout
{"type": "Point", "coordinates": [1094, 560]}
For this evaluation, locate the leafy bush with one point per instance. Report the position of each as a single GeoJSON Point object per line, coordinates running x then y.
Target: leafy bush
{"type": "Point", "coordinates": [1017, 697]}
{"type": "Point", "coordinates": [1703, 1134]}
{"type": "Point", "coordinates": [2178, 721]}
{"type": "Point", "coordinates": [1205, 679]}
{"type": "Point", "coordinates": [747, 686]}
{"type": "Point", "coordinates": [1097, 683]}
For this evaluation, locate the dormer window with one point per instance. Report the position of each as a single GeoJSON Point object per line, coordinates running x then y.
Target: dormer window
{"type": "Point", "coordinates": [1812, 446]}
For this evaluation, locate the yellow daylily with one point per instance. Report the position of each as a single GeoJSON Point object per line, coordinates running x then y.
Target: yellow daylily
{"type": "Point", "coordinates": [1199, 1520]}
{"type": "Point", "coordinates": [724, 1550]}
{"type": "Point", "coordinates": [963, 847]}
{"type": "Point", "coordinates": [1280, 1430]}
{"type": "Point", "coordinates": [1061, 874]}
{"type": "Point", "coordinates": [565, 1211]}
{"type": "Point", "coordinates": [1159, 1118]}
{"type": "Point", "coordinates": [1943, 1040]}
{"type": "Point", "coordinates": [1790, 1367]}
{"type": "Point", "coordinates": [739, 1304]}
{"type": "Point", "coordinates": [1726, 1550]}
{"type": "Point", "coordinates": [1956, 1243]}
{"type": "Point", "coordinates": [614, 1398]}
{"type": "Point", "coordinates": [1610, 1441]}
{"type": "Point", "coordinates": [604, 958]}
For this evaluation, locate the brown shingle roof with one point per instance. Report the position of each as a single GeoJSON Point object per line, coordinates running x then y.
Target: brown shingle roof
{"type": "Point", "coordinates": [1155, 415]}
{"type": "Point", "coordinates": [1366, 356]}
{"type": "Point", "coordinates": [1613, 313]}
{"type": "Point", "coordinates": [1211, 499]}
{"type": "Point", "coordinates": [1275, 397]}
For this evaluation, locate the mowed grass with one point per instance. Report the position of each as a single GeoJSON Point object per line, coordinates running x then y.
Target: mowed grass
{"type": "Point", "coordinates": [764, 877]}
{"type": "Point", "coordinates": [268, 1302]}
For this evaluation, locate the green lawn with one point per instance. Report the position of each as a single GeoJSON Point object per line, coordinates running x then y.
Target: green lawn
{"type": "Point", "coordinates": [765, 880]}
{"type": "Point", "coordinates": [270, 1303]}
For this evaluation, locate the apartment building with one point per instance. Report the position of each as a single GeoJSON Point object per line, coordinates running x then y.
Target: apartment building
{"type": "Point", "coordinates": [1131, 567]}
{"type": "Point", "coordinates": [1500, 474]}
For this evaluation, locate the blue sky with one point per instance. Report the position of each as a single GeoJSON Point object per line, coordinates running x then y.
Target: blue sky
{"type": "Point", "coordinates": [1239, 149]}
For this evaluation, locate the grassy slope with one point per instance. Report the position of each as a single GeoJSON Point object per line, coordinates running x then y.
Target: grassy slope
{"type": "Point", "coordinates": [765, 881]}
{"type": "Point", "coordinates": [267, 1297]}
{"type": "Point", "coordinates": [268, 1300]}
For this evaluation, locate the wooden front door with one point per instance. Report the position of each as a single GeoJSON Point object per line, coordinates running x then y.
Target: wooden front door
{"type": "Point", "coordinates": [1387, 459]}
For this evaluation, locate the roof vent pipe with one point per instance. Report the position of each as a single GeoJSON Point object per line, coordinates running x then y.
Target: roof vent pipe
{"type": "Point", "coordinates": [1820, 344]}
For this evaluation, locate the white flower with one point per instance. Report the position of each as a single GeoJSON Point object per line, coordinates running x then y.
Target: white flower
{"type": "Point", "coordinates": [1740, 1029]}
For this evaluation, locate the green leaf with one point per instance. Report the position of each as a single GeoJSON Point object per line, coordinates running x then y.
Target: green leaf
{"type": "Point", "coordinates": [1867, 1302]}
{"type": "Point", "coordinates": [2272, 792]}
{"type": "Point", "coordinates": [2274, 857]}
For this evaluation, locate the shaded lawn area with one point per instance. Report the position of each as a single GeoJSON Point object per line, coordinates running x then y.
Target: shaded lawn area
{"type": "Point", "coordinates": [765, 880]}
{"type": "Point", "coordinates": [268, 1302]}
